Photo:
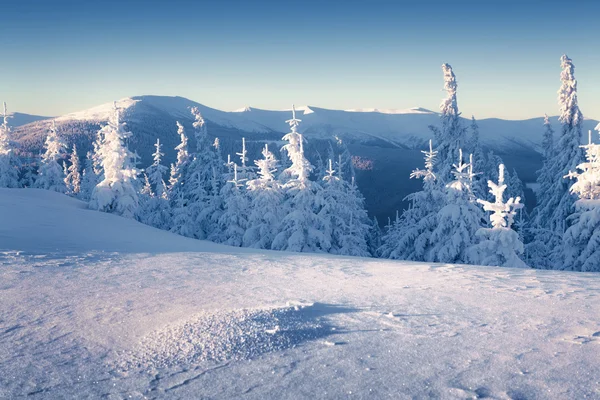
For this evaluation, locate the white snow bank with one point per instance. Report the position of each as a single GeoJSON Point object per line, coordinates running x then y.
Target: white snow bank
{"type": "Point", "coordinates": [36, 220]}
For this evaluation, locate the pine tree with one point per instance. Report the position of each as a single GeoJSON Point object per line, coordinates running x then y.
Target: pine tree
{"type": "Point", "coordinates": [346, 223]}
{"type": "Point", "coordinates": [499, 245]}
{"type": "Point", "coordinates": [580, 249]}
{"type": "Point", "coordinates": [409, 238]}
{"type": "Point", "coordinates": [266, 203]}
{"type": "Point", "coordinates": [178, 169]}
{"type": "Point", "coordinates": [50, 173]}
{"type": "Point", "coordinates": [89, 178]}
{"type": "Point", "coordinates": [452, 135]}
{"type": "Point", "coordinates": [116, 192]}
{"type": "Point", "coordinates": [156, 172]}
{"type": "Point", "coordinates": [9, 173]}
{"type": "Point", "coordinates": [73, 176]}
{"type": "Point", "coordinates": [458, 220]}
{"type": "Point", "coordinates": [302, 229]}
{"type": "Point", "coordinates": [199, 180]}
{"type": "Point", "coordinates": [374, 238]}
{"type": "Point", "coordinates": [479, 162]}
{"type": "Point", "coordinates": [233, 222]}
{"type": "Point", "coordinates": [557, 203]}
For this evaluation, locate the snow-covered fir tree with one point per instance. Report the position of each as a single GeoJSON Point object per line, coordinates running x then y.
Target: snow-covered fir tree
{"type": "Point", "coordinates": [346, 222]}
{"type": "Point", "coordinates": [458, 220]}
{"type": "Point", "coordinates": [581, 242]}
{"type": "Point", "coordinates": [451, 136]}
{"type": "Point", "coordinates": [178, 169]}
{"type": "Point", "coordinates": [73, 176]}
{"type": "Point", "coordinates": [409, 237]}
{"type": "Point", "coordinates": [51, 175]}
{"type": "Point", "coordinates": [302, 229]}
{"type": "Point", "coordinates": [233, 222]}
{"type": "Point", "coordinates": [199, 181]}
{"type": "Point", "coordinates": [479, 162]}
{"type": "Point", "coordinates": [266, 204]}
{"type": "Point", "coordinates": [550, 216]}
{"type": "Point", "coordinates": [116, 192]}
{"type": "Point", "coordinates": [157, 172]}
{"type": "Point", "coordinates": [499, 245]}
{"type": "Point", "coordinates": [374, 238]}
{"type": "Point", "coordinates": [89, 178]}
{"type": "Point", "coordinates": [9, 173]}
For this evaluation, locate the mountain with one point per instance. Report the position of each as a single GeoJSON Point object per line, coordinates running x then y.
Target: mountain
{"type": "Point", "coordinates": [387, 143]}
{"type": "Point", "coordinates": [98, 306]}
{"type": "Point", "coordinates": [17, 119]}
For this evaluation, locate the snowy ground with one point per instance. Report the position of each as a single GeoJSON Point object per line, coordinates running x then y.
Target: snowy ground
{"type": "Point", "coordinates": [96, 306]}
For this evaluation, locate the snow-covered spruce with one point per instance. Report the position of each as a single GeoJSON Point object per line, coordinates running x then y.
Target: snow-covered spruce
{"type": "Point", "coordinates": [550, 215]}
{"type": "Point", "coordinates": [9, 172]}
{"type": "Point", "coordinates": [302, 230]}
{"type": "Point", "coordinates": [409, 238]}
{"type": "Point", "coordinates": [458, 220]}
{"type": "Point", "coordinates": [51, 174]}
{"type": "Point", "coordinates": [451, 136]}
{"type": "Point", "coordinates": [346, 222]}
{"type": "Point", "coordinates": [73, 176]}
{"type": "Point", "coordinates": [499, 245]}
{"type": "Point", "coordinates": [116, 192]}
{"type": "Point", "coordinates": [89, 178]}
{"type": "Point", "coordinates": [233, 222]}
{"type": "Point", "coordinates": [266, 204]}
{"type": "Point", "coordinates": [581, 242]}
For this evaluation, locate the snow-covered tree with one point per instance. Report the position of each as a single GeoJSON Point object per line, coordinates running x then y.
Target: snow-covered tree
{"type": "Point", "coordinates": [581, 242]}
{"type": "Point", "coordinates": [556, 204]}
{"type": "Point", "coordinates": [266, 204]}
{"type": "Point", "coordinates": [346, 223]}
{"type": "Point", "coordinates": [200, 182]}
{"type": "Point", "coordinates": [374, 238]}
{"type": "Point", "coordinates": [116, 192]}
{"type": "Point", "coordinates": [51, 175]}
{"type": "Point", "coordinates": [156, 172]}
{"type": "Point", "coordinates": [9, 173]}
{"type": "Point", "coordinates": [458, 220]}
{"type": "Point", "coordinates": [233, 222]}
{"type": "Point", "coordinates": [499, 245]}
{"type": "Point", "coordinates": [89, 178]}
{"type": "Point", "coordinates": [479, 162]}
{"type": "Point", "coordinates": [178, 169]}
{"type": "Point", "coordinates": [302, 228]}
{"type": "Point", "coordinates": [451, 136]}
{"type": "Point", "coordinates": [409, 237]}
{"type": "Point", "coordinates": [73, 177]}
{"type": "Point", "coordinates": [244, 170]}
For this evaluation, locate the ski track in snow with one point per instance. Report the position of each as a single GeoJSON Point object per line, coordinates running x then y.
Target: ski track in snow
{"type": "Point", "coordinates": [167, 317]}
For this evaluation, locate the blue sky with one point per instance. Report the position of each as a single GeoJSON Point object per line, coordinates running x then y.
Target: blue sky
{"type": "Point", "coordinates": [63, 56]}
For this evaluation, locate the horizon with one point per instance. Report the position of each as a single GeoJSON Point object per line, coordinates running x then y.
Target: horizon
{"type": "Point", "coordinates": [268, 55]}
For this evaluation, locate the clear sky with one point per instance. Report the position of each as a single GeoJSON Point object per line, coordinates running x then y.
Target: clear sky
{"type": "Point", "coordinates": [60, 56]}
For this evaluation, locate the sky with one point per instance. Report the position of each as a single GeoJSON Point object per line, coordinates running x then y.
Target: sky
{"type": "Point", "coordinates": [61, 56]}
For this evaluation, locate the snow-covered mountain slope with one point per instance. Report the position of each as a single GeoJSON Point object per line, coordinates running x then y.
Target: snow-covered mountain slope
{"type": "Point", "coordinates": [19, 119]}
{"type": "Point", "coordinates": [96, 306]}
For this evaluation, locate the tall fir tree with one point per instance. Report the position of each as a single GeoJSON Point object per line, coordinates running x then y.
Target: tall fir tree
{"type": "Point", "coordinates": [409, 237]}
{"type": "Point", "coordinates": [266, 204]}
{"type": "Point", "coordinates": [552, 210]}
{"type": "Point", "coordinates": [233, 222]}
{"type": "Point", "coordinates": [9, 173]}
{"type": "Point", "coordinates": [580, 250]}
{"type": "Point", "coordinates": [73, 176]}
{"type": "Point", "coordinates": [157, 172]}
{"type": "Point", "coordinates": [116, 192]}
{"type": "Point", "coordinates": [51, 175]}
{"type": "Point", "coordinates": [451, 136]}
{"type": "Point", "coordinates": [458, 220]}
{"type": "Point", "coordinates": [89, 178]}
{"type": "Point", "coordinates": [302, 229]}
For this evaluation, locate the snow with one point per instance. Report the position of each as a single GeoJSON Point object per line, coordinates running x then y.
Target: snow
{"type": "Point", "coordinates": [102, 112]}
{"type": "Point", "coordinates": [94, 305]}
